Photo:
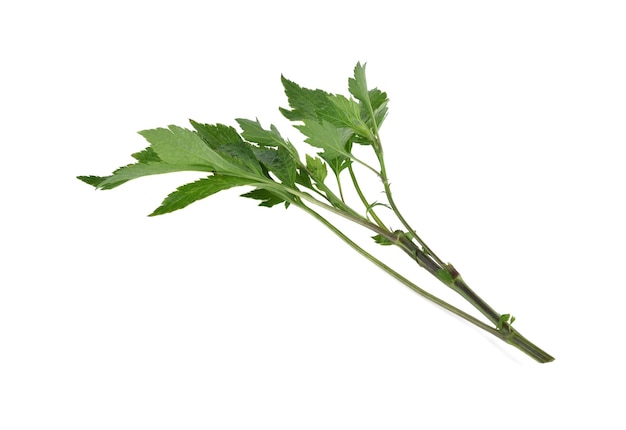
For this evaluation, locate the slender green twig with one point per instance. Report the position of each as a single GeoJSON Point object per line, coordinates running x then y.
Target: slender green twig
{"type": "Point", "coordinates": [368, 207]}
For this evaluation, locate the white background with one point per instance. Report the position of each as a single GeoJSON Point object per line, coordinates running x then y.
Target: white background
{"type": "Point", "coordinates": [505, 149]}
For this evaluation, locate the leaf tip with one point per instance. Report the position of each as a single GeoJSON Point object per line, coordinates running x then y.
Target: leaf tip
{"type": "Point", "coordinates": [94, 181]}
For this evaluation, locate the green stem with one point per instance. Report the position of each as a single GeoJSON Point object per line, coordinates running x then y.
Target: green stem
{"type": "Point", "coordinates": [340, 188]}
{"type": "Point", "coordinates": [394, 207]}
{"type": "Point", "coordinates": [509, 334]}
{"type": "Point", "coordinates": [506, 334]}
{"type": "Point", "coordinates": [331, 197]}
{"type": "Point", "coordinates": [399, 277]}
{"type": "Point", "coordinates": [364, 164]}
{"type": "Point", "coordinates": [367, 205]}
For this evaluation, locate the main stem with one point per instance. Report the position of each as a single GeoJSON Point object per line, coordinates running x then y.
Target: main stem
{"type": "Point", "coordinates": [426, 258]}
{"type": "Point", "coordinates": [398, 276]}
{"type": "Point", "coordinates": [507, 333]}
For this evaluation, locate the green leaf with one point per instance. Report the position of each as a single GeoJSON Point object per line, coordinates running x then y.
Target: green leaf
{"type": "Point", "coordinates": [279, 162]}
{"type": "Point", "coordinates": [268, 198]}
{"type": "Point", "coordinates": [336, 163]}
{"type": "Point", "coordinates": [94, 181]}
{"type": "Point", "coordinates": [503, 319]}
{"type": "Point", "coordinates": [303, 178]}
{"type": "Point", "coordinates": [216, 135]}
{"type": "Point", "coordinates": [175, 150]}
{"type": "Point", "coordinates": [189, 193]}
{"type": "Point", "coordinates": [358, 85]}
{"type": "Point", "coordinates": [242, 153]}
{"type": "Point", "coordinates": [146, 156]}
{"type": "Point", "coordinates": [382, 240]}
{"type": "Point", "coordinates": [177, 145]}
{"type": "Point", "coordinates": [317, 167]}
{"type": "Point", "coordinates": [253, 131]}
{"type": "Point", "coordinates": [228, 143]}
{"type": "Point", "coordinates": [324, 135]}
{"type": "Point", "coordinates": [379, 102]}
{"type": "Point", "coordinates": [373, 102]}
{"type": "Point", "coordinates": [305, 103]}
{"type": "Point", "coordinates": [344, 112]}
{"type": "Point", "coordinates": [137, 170]}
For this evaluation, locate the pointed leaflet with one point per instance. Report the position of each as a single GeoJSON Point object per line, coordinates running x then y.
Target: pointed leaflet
{"type": "Point", "coordinates": [241, 154]}
{"type": "Point", "coordinates": [172, 150]}
{"type": "Point", "coordinates": [305, 103]}
{"type": "Point", "coordinates": [279, 162]}
{"type": "Point", "coordinates": [216, 135]}
{"type": "Point", "coordinates": [226, 142]}
{"type": "Point", "coordinates": [326, 136]}
{"type": "Point", "coordinates": [149, 163]}
{"type": "Point", "coordinates": [176, 145]}
{"type": "Point", "coordinates": [379, 105]}
{"type": "Point", "coordinates": [317, 167]}
{"type": "Point", "coordinates": [303, 178]}
{"type": "Point", "coordinates": [254, 132]}
{"type": "Point", "coordinates": [92, 180]}
{"type": "Point", "coordinates": [373, 103]}
{"type": "Point", "coordinates": [268, 198]}
{"type": "Point", "coordinates": [358, 84]}
{"type": "Point", "coordinates": [137, 170]}
{"type": "Point", "coordinates": [336, 164]}
{"type": "Point", "coordinates": [187, 194]}
{"type": "Point", "coordinates": [344, 112]}
{"type": "Point", "coordinates": [146, 156]}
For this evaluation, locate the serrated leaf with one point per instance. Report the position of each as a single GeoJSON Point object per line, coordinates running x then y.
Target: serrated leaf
{"type": "Point", "coordinates": [303, 178]}
{"type": "Point", "coordinates": [137, 170]}
{"type": "Point", "coordinates": [279, 162]}
{"type": "Point", "coordinates": [179, 146]}
{"type": "Point", "coordinates": [175, 149]}
{"type": "Point", "coordinates": [268, 198]}
{"type": "Point", "coordinates": [148, 155]}
{"type": "Point", "coordinates": [373, 102]}
{"type": "Point", "coordinates": [253, 131]}
{"type": "Point", "coordinates": [189, 193]}
{"type": "Point", "coordinates": [379, 105]}
{"type": "Point", "coordinates": [94, 181]}
{"type": "Point", "coordinates": [344, 112]}
{"type": "Point", "coordinates": [216, 135]}
{"type": "Point", "coordinates": [336, 163]}
{"type": "Point", "coordinates": [228, 143]}
{"type": "Point", "coordinates": [358, 84]}
{"type": "Point", "coordinates": [241, 153]}
{"type": "Point", "coordinates": [377, 98]}
{"type": "Point", "coordinates": [305, 103]}
{"type": "Point", "coordinates": [317, 167]}
{"type": "Point", "coordinates": [326, 136]}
